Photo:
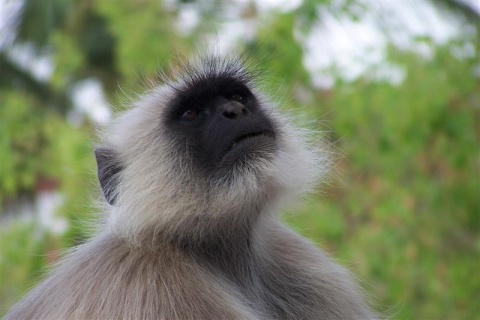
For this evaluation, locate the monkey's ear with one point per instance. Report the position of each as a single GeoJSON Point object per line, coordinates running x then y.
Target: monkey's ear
{"type": "Point", "coordinates": [108, 170]}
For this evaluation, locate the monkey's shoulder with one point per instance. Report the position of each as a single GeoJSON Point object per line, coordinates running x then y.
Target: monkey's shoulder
{"type": "Point", "coordinates": [302, 282]}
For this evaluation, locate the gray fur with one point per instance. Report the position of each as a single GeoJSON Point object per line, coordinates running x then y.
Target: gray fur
{"type": "Point", "coordinates": [179, 246]}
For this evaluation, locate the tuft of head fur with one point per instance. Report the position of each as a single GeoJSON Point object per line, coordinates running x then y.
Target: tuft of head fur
{"type": "Point", "coordinates": [161, 194]}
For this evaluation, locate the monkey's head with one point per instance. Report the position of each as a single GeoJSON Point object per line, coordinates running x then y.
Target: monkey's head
{"type": "Point", "coordinates": [202, 152]}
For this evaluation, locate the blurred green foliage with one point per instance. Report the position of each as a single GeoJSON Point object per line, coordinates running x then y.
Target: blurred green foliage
{"type": "Point", "coordinates": [402, 208]}
{"type": "Point", "coordinates": [407, 213]}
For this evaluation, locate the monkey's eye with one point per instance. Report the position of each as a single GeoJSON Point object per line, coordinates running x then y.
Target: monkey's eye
{"type": "Point", "coordinates": [190, 114]}
{"type": "Point", "coordinates": [236, 97]}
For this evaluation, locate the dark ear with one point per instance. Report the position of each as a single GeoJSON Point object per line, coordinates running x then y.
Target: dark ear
{"type": "Point", "coordinates": [108, 170]}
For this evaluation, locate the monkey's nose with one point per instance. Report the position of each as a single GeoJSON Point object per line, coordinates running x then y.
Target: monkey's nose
{"type": "Point", "coordinates": [233, 110]}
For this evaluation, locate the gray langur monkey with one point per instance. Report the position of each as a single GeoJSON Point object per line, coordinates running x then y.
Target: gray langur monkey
{"type": "Point", "coordinates": [195, 173]}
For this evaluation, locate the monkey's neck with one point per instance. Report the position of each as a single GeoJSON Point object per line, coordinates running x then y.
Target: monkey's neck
{"type": "Point", "coordinates": [219, 244]}
{"type": "Point", "coordinates": [229, 247]}
{"type": "Point", "coordinates": [234, 257]}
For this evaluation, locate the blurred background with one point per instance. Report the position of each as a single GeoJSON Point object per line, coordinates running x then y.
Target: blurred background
{"type": "Point", "coordinates": [394, 84]}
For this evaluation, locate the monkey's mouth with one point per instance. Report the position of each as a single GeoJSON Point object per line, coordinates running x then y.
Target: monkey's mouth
{"type": "Point", "coordinates": [249, 136]}
{"type": "Point", "coordinates": [258, 141]}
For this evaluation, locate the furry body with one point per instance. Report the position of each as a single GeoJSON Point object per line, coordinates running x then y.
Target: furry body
{"type": "Point", "coordinates": [193, 231]}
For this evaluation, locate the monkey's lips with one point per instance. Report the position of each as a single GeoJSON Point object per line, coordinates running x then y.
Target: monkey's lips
{"type": "Point", "coordinates": [251, 144]}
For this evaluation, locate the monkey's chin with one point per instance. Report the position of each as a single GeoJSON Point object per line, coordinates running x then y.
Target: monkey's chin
{"type": "Point", "coordinates": [249, 151]}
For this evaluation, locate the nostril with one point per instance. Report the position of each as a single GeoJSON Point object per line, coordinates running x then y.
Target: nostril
{"type": "Point", "coordinates": [229, 115]}
{"type": "Point", "coordinates": [233, 110]}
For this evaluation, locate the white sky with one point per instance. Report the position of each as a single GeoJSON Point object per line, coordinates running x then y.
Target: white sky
{"type": "Point", "coordinates": [8, 14]}
{"type": "Point", "coordinates": [354, 47]}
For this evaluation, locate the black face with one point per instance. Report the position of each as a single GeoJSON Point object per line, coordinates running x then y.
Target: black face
{"type": "Point", "coordinates": [222, 124]}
